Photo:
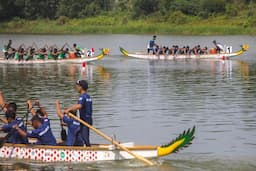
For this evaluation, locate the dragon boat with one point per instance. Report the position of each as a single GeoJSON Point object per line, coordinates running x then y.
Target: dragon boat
{"type": "Point", "coordinates": [71, 59]}
{"type": "Point", "coordinates": [111, 152]}
{"type": "Point", "coordinates": [212, 55]}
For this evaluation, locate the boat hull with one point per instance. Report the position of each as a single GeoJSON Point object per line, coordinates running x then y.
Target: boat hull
{"type": "Point", "coordinates": [44, 153]}
{"type": "Point", "coordinates": [177, 57]}
{"type": "Point", "coordinates": [72, 154]}
{"type": "Point", "coordinates": [104, 52]}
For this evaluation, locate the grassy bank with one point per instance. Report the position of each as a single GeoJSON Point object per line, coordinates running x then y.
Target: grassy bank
{"type": "Point", "coordinates": [119, 24]}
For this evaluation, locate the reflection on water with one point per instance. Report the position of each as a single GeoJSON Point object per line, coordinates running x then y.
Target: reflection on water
{"type": "Point", "coordinates": [151, 102]}
{"type": "Point", "coordinates": [244, 69]}
{"type": "Point", "coordinates": [156, 99]}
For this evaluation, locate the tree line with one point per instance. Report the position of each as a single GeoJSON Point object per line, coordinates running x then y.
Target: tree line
{"type": "Point", "coordinates": [53, 9]}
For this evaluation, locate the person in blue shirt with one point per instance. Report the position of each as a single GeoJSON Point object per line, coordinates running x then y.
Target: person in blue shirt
{"type": "Point", "coordinates": [14, 137]}
{"type": "Point", "coordinates": [6, 107]}
{"type": "Point", "coordinates": [151, 45]}
{"type": "Point", "coordinates": [40, 111]}
{"type": "Point", "coordinates": [84, 105]}
{"type": "Point", "coordinates": [42, 132]}
{"type": "Point", "coordinates": [74, 137]}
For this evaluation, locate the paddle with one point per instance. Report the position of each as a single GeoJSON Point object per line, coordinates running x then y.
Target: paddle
{"type": "Point", "coordinates": [4, 139]}
{"type": "Point", "coordinates": [27, 117]}
{"type": "Point", "coordinates": [111, 140]}
{"type": "Point", "coordinates": [63, 133]}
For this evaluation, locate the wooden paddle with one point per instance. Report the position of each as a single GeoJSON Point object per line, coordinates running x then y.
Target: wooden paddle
{"type": "Point", "coordinates": [63, 133]}
{"type": "Point", "coordinates": [4, 139]}
{"type": "Point", "coordinates": [28, 110]}
{"type": "Point", "coordinates": [111, 140]}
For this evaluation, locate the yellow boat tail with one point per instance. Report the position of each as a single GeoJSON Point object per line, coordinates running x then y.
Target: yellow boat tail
{"type": "Point", "coordinates": [182, 141]}
{"type": "Point", "coordinates": [124, 52]}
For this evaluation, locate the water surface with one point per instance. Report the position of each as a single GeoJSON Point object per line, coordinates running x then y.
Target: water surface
{"type": "Point", "coordinates": [149, 102]}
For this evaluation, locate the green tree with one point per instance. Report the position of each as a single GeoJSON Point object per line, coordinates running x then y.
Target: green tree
{"type": "Point", "coordinates": [82, 8]}
{"type": "Point", "coordinates": [11, 8]}
{"type": "Point", "coordinates": [70, 8]}
{"type": "Point", "coordinates": [40, 9]}
{"type": "Point", "coordinates": [212, 7]}
{"type": "Point", "coordinates": [144, 7]}
{"type": "Point", "coordinates": [123, 5]}
{"type": "Point", "coordinates": [188, 7]}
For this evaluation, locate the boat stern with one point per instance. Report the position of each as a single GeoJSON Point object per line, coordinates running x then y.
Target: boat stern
{"type": "Point", "coordinates": [182, 141]}
{"type": "Point", "coordinates": [123, 51]}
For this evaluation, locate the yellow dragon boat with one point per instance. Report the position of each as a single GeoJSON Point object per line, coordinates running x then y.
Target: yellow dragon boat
{"type": "Point", "coordinates": [101, 55]}
{"type": "Point", "coordinates": [223, 56]}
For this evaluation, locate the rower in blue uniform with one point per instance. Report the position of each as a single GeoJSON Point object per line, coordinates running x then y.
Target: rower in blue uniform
{"type": "Point", "coordinates": [74, 137]}
{"type": "Point", "coordinates": [42, 132]}
{"type": "Point", "coordinates": [40, 111]}
{"type": "Point", "coordinates": [4, 106]}
{"type": "Point", "coordinates": [15, 137]}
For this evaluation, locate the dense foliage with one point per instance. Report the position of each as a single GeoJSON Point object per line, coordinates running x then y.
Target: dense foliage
{"type": "Point", "coordinates": [163, 9]}
{"type": "Point", "coordinates": [204, 17]}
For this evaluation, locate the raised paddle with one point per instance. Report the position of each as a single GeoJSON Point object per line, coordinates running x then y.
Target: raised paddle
{"type": "Point", "coordinates": [111, 140]}
{"type": "Point", "coordinates": [63, 133]}
{"type": "Point", "coordinates": [28, 110]}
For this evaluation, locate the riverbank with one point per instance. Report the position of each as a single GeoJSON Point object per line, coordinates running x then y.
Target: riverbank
{"type": "Point", "coordinates": [177, 25]}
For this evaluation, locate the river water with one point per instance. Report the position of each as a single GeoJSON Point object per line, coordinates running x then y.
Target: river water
{"type": "Point", "coordinates": [149, 102]}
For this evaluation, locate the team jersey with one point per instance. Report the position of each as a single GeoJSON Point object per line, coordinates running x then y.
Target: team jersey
{"type": "Point", "coordinates": [50, 56]}
{"type": "Point", "coordinates": [78, 48]}
{"type": "Point", "coordinates": [46, 121]}
{"type": "Point", "coordinates": [43, 134]}
{"type": "Point", "coordinates": [61, 55]}
{"type": "Point", "coordinates": [151, 43]}
{"type": "Point", "coordinates": [86, 111]}
{"type": "Point", "coordinates": [15, 137]}
{"type": "Point", "coordinates": [74, 137]}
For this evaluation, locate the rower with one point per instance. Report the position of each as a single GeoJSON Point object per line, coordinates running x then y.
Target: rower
{"type": "Point", "coordinates": [219, 47]}
{"type": "Point", "coordinates": [78, 50]}
{"type": "Point", "coordinates": [15, 137]}
{"type": "Point", "coordinates": [74, 137]}
{"type": "Point", "coordinates": [18, 55]}
{"type": "Point", "coordinates": [30, 53]}
{"type": "Point", "coordinates": [6, 49]}
{"type": "Point", "coordinates": [6, 107]}
{"type": "Point", "coordinates": [55, 53]}
{"type": "Point", "coordinates": [63, 51]}
{"type": "Point", "coordinates": [42, 132]}
{"type": "Point", "coordinates": [84, 106]}
{"type": "Point", "coordinates": [40, 112]}
{"type": "Point", "coordinates": [42, 53]}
